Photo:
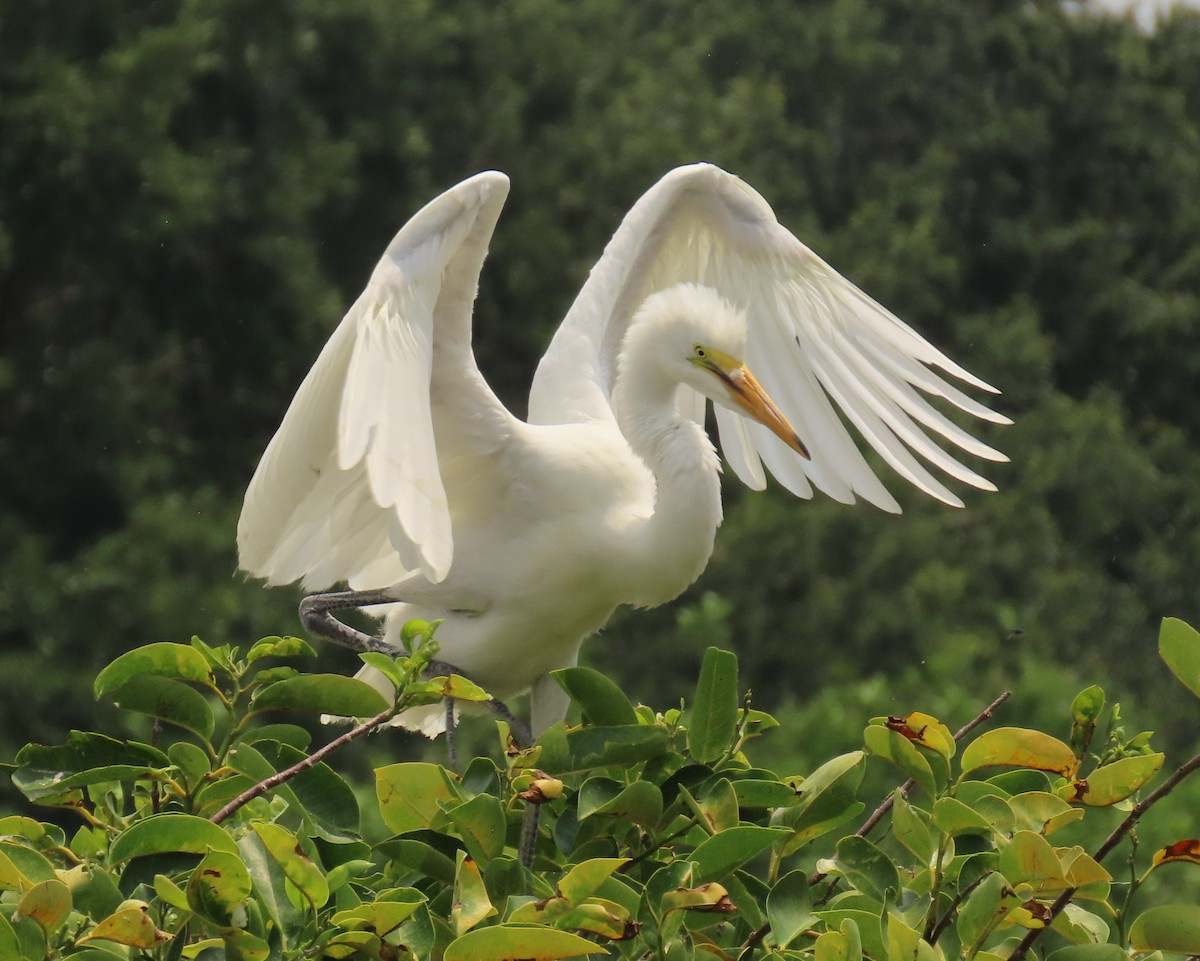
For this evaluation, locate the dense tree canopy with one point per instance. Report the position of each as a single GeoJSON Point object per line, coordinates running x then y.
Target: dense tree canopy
{"type": "Point", "coordinates": [190, 192]}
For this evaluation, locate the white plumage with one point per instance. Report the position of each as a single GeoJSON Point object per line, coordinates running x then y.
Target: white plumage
{"type": "Point", "coordinates": [396, 466]}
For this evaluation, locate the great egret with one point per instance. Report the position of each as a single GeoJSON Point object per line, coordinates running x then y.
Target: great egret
{"type": "Point", "coordinates": [397, 470]}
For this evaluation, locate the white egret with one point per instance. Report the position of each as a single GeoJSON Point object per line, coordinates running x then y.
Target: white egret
{"type": "Point", "coordinates": [397, 470]}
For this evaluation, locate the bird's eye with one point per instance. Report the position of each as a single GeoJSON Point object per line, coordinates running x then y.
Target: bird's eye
{"type": "Point", "coordinates": [699, 351]}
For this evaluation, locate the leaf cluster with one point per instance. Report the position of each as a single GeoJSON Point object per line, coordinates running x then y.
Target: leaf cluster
{"type": "Point", "coordinates": [658, 836]}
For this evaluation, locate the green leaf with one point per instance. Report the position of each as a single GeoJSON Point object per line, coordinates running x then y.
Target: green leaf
{"type": "Point", "coordinates": [171, 893]}
{"type": "Point", "coordinates": [503, 942]}
{"type": "Point", "coordinates": [290, 734]}
{"type": "Point", "coordinates": [318, 790]}
{"type": "Point", "coordinates": [165, 659]}
{"type": "Point", "coordinates": [980, 911]}
{"type": "Point", "coordinates": [168, 700]}
{"type": "Point", "coordinates": [827, 798]}
{"type": "Point", "coordinates": [417, 852]}
{"type": "Point", "coordinates": [1085, 715]}
{"type": "Point", "coordinates": [600, 700]}
{"type": "Point", "coordinates": [891, 746]}
{"type": "Point", "coordinates": [279, 647]}
{"type": "Point", "coordinates": [333, 694]}
{"type": "Point", "coordinates": [46, 774]}
{"type": "Point", "coordinates": [191, 761]}
{"type": "Point", "coordinates": [297, 866]}
{"type": "Point", "coordinates": [843, 943]}
{"type": "Point", "coordinates": [9, 946]}
{"type": "Point", "coordinates": [384, 914]}
{"type": "Point", "coordinates": [719, 807]}
{"type": "Point", "coordinates": [169, 833]}
{"type": "Point", "coordinates": [1174, 928]}
{"type": "Point", "coordinates": [482, 826]}
{"type": "Point", "coordinates": [1042, 812]}
{"type": "Point", "coordinates": [712, 722]}
{"type": "Point", "coordinates": [410, 794]}
{"type": "Point", "coordinates": [867, 868]}
{"type": "Point", "coordinates": [1179, 647]}
{"type": "Point", "coordinates": [1089, 952]}
{"type": "Point", "coordinates": [218, 886]}
{"type": "Point", "coordinates": [31, 865]}
{"type": "Point", "coordinates": [789, 908]}
{"type": "Point", "coordinates": [1018, 747]}
{"type": "Point", "coordinates": [755, 793]}
{"type": "Point", "coordinates": [566, 752]}
{"type": "Point", "coordinates": [385, 664]}
{"type": "Point", "coordinates": [1080, 926]}
{"type": "Point", "coordinates": [640, 802]}
{"type": "Point", "coordinates": [910, 829]}
{"type": "Point", "coordinates": [716, 856]}
{"type": "Point", "coordinates": [585, 879]}
{"type": "Point", "coordinates": [953, 817]}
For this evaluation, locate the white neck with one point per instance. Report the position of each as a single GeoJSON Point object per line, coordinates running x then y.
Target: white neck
{"type": "Point", "coordinates": [673, 545]}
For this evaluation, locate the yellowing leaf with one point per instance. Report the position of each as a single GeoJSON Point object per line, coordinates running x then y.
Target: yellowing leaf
{"type": "Point", "coordinates": [1114, 782]}
{"type": "Point", "coordinates": [409, 793]}
{"type": "Point", "coordinates": [48, 903]}
{"type": "Point", "coordinates": [297, 866]}
{"type": "Point", "coordinates": [471, 903]}
{"type": "Point", "coordinates": [130, 924]}
{"type": "Point", "coordinates": [503, 942]}
{"type": "Point", "coordinates": [1185, 850]}
{"type": "Point", "coordinates": [1019, 747]}
{"type": "Point", "coordinates": [1029, 858]}
{"type": "Point", "coordinates": [925, 731]}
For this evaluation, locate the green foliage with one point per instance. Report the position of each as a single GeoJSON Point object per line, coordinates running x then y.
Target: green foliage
{"type": "Point", "coordinates": [658, 836]}
{"type": "Point", "coordinates": [191, 193]}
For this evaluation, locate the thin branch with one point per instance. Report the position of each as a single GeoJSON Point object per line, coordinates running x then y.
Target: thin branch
{"type": "Point", "coordinates": [958, 899]}
{"type": "Point", "coordinates": [982, 716]}
{"type": "Point", "coordinates": [1111, 842]}
{"type": "Point", "coordinates": [262, 787]}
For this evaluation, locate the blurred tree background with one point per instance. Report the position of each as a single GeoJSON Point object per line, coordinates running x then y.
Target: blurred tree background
{"type": "Point", "coordinates": [191, 192]}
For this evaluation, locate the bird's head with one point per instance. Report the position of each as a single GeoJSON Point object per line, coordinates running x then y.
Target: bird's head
{"type": "Point", "coordinates": [701, 338]}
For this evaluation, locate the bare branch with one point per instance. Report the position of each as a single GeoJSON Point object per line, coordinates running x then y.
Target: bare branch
{"type": "Point", "coordinates": [262, 787]}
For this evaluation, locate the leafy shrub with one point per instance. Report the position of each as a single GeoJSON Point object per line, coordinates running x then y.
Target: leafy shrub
{"type": "Point", "coordinates": [658, 837]}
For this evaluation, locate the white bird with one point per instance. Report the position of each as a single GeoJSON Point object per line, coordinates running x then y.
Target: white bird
{"type": "Point", "coordinates": [397, 470]}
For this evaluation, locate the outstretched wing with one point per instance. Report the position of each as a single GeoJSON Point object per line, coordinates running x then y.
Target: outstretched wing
{"type": "Point", "coordinates": [349, 488]}
{"type": "Point", "coordinates": [814, 340]}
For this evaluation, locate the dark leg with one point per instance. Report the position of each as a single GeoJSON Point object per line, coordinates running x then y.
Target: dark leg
{"type": "Point", "coordinates": [316, 614]}
{"type": "Point", "coordinates": [529, 830]}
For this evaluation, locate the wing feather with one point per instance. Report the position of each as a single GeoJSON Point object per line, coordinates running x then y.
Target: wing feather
{"type": "Point", "coordinates": [350, 486]}
{"type": "Point", "coordinates": [826, 352]}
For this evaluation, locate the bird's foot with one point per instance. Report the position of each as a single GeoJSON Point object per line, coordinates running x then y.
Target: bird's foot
{"type": "Point", "coordinates": [316, 614]}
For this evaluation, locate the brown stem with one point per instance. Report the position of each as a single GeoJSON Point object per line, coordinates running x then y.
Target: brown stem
{"type": "Point", "coordinates": [1110, 842]}
{"type": "Point", "coordinates": [262, 787]}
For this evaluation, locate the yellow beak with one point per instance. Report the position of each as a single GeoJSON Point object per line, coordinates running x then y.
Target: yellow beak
{"type": "Point", "coordinates": [748, 394]}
